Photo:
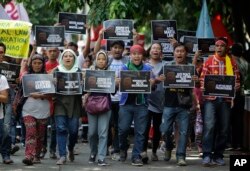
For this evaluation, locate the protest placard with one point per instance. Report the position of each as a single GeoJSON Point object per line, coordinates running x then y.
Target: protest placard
{"type": "Point", "coordinates": [219, 85]}
{"type": "Point", "coordinates": [16, 36]}
{"type": "Point", "coordinates": [118, 29]}
{"type": "Point", "coordinates": [10, 71]}
{"type": "Point", "coordinates": [163, 30]}
{"type": "Point", "coordinates": [178, 76]}
{"type": "Point", "coordinates": [191, 43]}
{"type": "Point", "coordinates": [182, 33]}
{"type": "Point", "coordinates": [68, 83]}
{"type": "Point", "coordinates": [99, 81]}
{"type": "Point", "coordinates": [38, 83]}
{"type": "Point", "coordinates": [135, 82]}
{"type": "Point", "coordinates": [49, 36]}
{"type": "Point", "coordinates": [74, 23]}
{"type": "Point", "coordinates": [206, 45]}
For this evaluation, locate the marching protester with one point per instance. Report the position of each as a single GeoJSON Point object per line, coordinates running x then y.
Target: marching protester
{"type": "Point", "coordinates": [217, 109]}
{"type": "Point", "coordinates": [9, 117]}
{"type": "Point", "coordinates": [175, 109]}
{"type": "Point", "coordinates": [35, 113]}
{"type": "Point", "coordinates": [133, 107]}
{"type": "Point", "coordinates": [67, 110]}
{"type": "Point", "coordinates": [4, 86]}
{"type": "Point", "coordinates": [155, 103]}
{"type": "Point", "coordinates": [116, 61]}
{"type": "Point", "coordinates": [99, 122]}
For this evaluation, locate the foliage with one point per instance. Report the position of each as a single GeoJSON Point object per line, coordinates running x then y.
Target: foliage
{"type": "Point", "coordinates": [143, 11]}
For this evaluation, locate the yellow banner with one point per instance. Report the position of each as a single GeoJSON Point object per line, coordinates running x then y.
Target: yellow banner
{"type": "Point", "coordinates": [16, 36]}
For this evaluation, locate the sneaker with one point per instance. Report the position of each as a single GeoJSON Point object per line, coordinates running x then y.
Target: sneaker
{"type": "Point", "coordinates": [102, 163]}
{"type": "Point", "coordinates": [206, 161]}
{"type": "Point", "coordinates": [61, 161]}
{"type": "Point", "coordinates": [91, 159]}
{"type": "Point", "coordinates": [28, 162]}
{"type": "Point", "coordinates": [144, 157]}
{"type": "Point", "coordinates": [52, 155]}
{"type": "Point", "coordinates": [167, 156]}
{"type": "Point", "coordinates": [71, 156]}
{"type": "Point", "coordinates": [7, 160]}
{"type": "Point", "coordinates": [181, 162]}
{"type": "Point", "coordinates": [154, 157]}
{"type": "Point", "coordinates": [219, 162]}
{"type": "Point", "coordinates": [115, 156]}
{"type": "Point", "coordinates": [137, 162]}
{"type": "Point", "coordinates": [14, 149]}
{"type": "Point", "coordinates": [123, 156]}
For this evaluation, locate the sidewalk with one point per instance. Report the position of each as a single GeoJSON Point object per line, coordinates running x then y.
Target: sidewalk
{"type": "Point", "coordinates": [81, 163]}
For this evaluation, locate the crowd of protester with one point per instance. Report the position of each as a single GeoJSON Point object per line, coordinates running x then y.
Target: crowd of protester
{"type": "Point", "coordinates": [162, 112]}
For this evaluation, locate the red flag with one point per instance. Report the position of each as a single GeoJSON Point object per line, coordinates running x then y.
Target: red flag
{"type": "Point", "coordinates": [220, 30]}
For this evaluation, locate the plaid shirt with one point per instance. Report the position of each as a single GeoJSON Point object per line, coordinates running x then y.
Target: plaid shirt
{"type": "Point", "coordinates": [215, 65]}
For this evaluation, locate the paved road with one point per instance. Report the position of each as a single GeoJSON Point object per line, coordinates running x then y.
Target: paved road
{"type": "Point", "coordinates": [81, 163]}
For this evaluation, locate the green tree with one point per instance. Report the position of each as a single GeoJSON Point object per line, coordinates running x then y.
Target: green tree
{"type": "Point", "coordinates": [234, 13]}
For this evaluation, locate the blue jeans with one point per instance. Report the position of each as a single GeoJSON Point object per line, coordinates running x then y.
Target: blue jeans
{"type": "Point", "coordinates": [98, 134]}
{"type": "Point", "coordinates": [127, 114]}
{"type": "Point", "coordinates": [6, 139]}
{"type": "Point", "coordinates": [181, 116]}
{"type": "Point", "coordinates": [65, 126]}
{"type": "Point", "coordinates": [216, 115]}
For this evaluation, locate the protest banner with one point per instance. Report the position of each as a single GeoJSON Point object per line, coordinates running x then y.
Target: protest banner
{"type": "Point", "coordinates": [163, 30]}
{"type": "Point", "coordinates": [10, 71]}
{"type": "Point", "coordinates": [182, 33]}
{"type": "Point", "coordinates": [219, 85]}
{"type": "Point", "coordinates": [101, 81]}
{"type": "Point", "coordinates": [68, 83]}
{"type": "Point", "coordinates": [118, 29]}
{"type": "Point", "coordinates": [178, 76]}
{"type": "Point", "coordinates": [38, 83]}
{"type": "Point", "coordinates": [191, 43]}
{"type": "Point", "coordinates": [206, 45]}
{"type": "Point", "coordinates": [74, 23]}
{"type": "Point", "coordinates": [16, 36]}
{"type": "Point", "coordinates": [135, 82]}
{"type": "Point", "coordinates": [49, 36]}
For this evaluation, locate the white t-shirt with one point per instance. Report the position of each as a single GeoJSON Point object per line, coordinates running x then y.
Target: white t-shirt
{"type": "Point", "coordinates": [116, 65]}
{"type": "Point", "coordinates": [3, 86]}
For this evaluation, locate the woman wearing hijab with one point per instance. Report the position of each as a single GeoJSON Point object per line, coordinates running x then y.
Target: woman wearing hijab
{"type": "Point", "coordinates": [67, 110]}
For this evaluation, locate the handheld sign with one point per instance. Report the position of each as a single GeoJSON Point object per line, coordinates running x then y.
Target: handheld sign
{"type": "Point", "coordinates": [219, 85]}
{"type": "Point", "coordinates": [38, 83]}
{"type": "Point", "coordinates": [164, 29]}
{"type": "Point", "coordinates": [49, 36]}
{"type": "Point", "coordinates": [118, 29]}
{"type": "Point", "coordinates": [99, 81]}
{"type": "Point", "coordinates": [10, 71]}
{"type": "Point", "coordinates": [68, 83]}
{"type": "Point", "coordinates": [16, 36]}
{"type": "Point", "coordinates": [74, 23]}
{"type": "Point", "coordinates": [178, 76]}
{"type": "Point", "coordinates": [135, 82]}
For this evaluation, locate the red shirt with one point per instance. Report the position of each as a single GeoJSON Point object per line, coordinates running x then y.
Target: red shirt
{"type": "Point", "coordinates": [215, 65]}
{"type": "Point", "coordinates": [50, 66]}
